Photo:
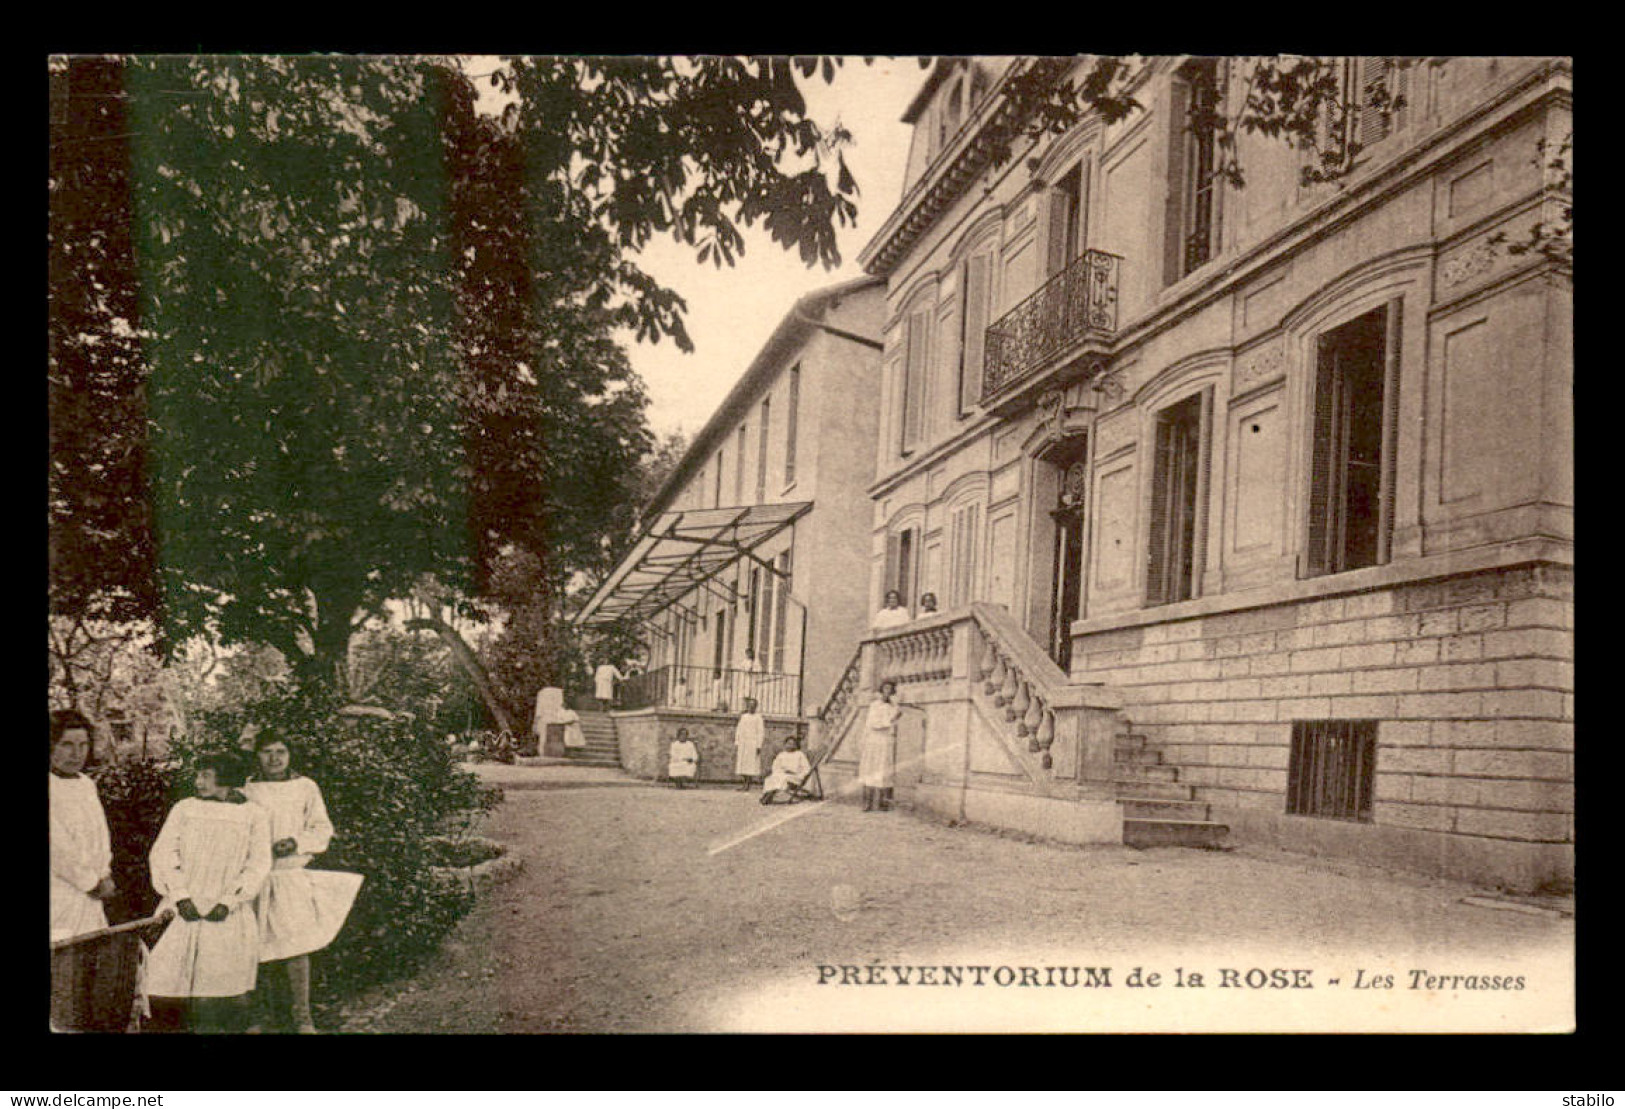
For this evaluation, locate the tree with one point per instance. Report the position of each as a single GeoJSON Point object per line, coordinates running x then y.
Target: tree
{"type": "Point", "coordinates": [100, 543]}
{"type": "Point", "coordinates": [315, 438]}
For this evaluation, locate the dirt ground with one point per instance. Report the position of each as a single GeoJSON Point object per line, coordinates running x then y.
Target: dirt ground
{"type": "Point", "coordinates": [645, 909]}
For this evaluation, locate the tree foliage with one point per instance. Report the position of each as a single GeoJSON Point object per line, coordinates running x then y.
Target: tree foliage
{"type": "Point", "coordinates": [367, 334]}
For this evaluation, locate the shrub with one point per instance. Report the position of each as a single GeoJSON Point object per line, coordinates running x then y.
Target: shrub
{"type": "Point", "coordinates": [136, 794]}
{"type": "Point", "coordinates": [390, 787]}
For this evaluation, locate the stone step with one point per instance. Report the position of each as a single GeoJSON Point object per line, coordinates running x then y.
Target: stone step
{"type": "Point", "coordinates": [1139, 756]}
{"type": "Point", "coordinates": [1140, 832]}
{"type": "Point", "coordinates": [1153, 791]}
{"type": "Point", "coordinates": [1159, 808]}
{"type": "Point", "coordinates": [1131, 739]}
{"type": "Point", "coordinates": [1129, 772]}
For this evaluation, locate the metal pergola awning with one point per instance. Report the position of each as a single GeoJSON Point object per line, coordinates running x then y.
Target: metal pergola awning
{"type": "Point", "coordinates": [681, 552]}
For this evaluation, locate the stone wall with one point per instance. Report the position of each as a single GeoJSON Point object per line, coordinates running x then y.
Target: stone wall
{"type": "Point", "coordinates": [1471, 681]}
{"type": "Point", "coordinates": [645, 739]}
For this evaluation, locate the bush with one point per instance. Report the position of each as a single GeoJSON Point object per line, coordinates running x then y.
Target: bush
{"type": "Point", "coordinates": [136, 794]}
{"type": "Point", "coordinates": [390, 787]}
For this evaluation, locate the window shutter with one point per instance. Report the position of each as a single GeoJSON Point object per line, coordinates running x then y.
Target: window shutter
{"type": "Point", "coordinates": [914, 379]}
{"type": "Point", "coordinates": [1390, 430]}
{"type": "Point", "coordinates": [764, 636]}
{"type": "Point", "coordinates": [761, 452]}
{"type": "Point", "coordinates": [1315, 558]}
{"type": "Point", "coordinates": [1060, 224]}
{"type": "Point", "coordinates": [1173, 247]}
{"type": "Point", "coordinates": [753, 606]}
{"type": "Point", "coordinates": [978, 274]}
{"type": "Point", "coordinates": [781, 612]}
{"type": "Point", "coordinates": [893, 554]}
{"type": "Point", "coordinates": [792, 416]}
{"type": "Point", "coordinates": [1204, 482]}
{"type": "Point", "coordinates": [1162, 473]}
{"type": "Point", "coordinates": [1373, 75]}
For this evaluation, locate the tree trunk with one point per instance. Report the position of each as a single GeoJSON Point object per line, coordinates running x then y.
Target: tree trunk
{"type": "Point", "coordinates": [469, 662]}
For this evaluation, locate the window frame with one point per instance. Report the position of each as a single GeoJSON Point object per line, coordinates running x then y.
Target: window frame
{"type": "Point", "coordinates": [1192, 155]}
{"type": "Point", "coordinates": [1159, 584]}
{"type": "Point", "coordinates": [1319, 554]}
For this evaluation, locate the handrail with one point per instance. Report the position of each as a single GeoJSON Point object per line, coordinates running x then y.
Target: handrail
{"type": "Point", "coordinates": [998, 624]}
{"type": "Point", "coordinates": [842, 699]}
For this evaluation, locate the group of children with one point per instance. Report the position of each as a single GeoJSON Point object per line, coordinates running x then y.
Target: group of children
{"type": "Point", "coordinates": [790, 766]}
{"type": "Point", "coordinates": [231, 864]}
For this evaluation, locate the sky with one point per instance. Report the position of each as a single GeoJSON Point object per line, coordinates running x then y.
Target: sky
{"type": "Point", "coordinates": [731, 312]}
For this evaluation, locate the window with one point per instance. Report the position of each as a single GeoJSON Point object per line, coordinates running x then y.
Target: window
{"type": "Point", "coordinates": [739, 465]}
{"type": "Point", "coordinates": [914, 371]}
{"type": "Point", "coordinates": [790, 418]}
{"type": "Point", "coordinates": [1192, 216]}
{"type": "Point", "coordinates": [1332, 768]}
{"type": "Point", "coordinates": [962, 536]}
{"type": "Point", "coordinates": [1350, 504]}
{"type": "Point", "coordinates": [716, 487]}
{"type": "Point", "coordinates": [978, 288]}
{"type": "Point", "coordinates": [1178, 491]}
{"type": "Point", "coordinates": [761, 452]}
{"type": "Point", "coordinates": [719, 654]}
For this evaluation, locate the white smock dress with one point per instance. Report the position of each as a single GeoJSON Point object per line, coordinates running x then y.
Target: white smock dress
{"type": "Point", "coordinates": [789, 768]}
{"type": "Point", "coordinates": [81, 856]}
{"type": "Point", "coordinates": [604, 679]}
{"type": "Point", "coordinates": [213, 853]}
{"type": "Point", "coordinates": [877, 757]}
{"type": "Point", "coordinates": [299, 910]}
{"type": "Point", "coordinates": [748, 736]}
{"type": "Point", "coordinates": [683, 760]}
{"type": "Point", "coordinates": [891, 618]}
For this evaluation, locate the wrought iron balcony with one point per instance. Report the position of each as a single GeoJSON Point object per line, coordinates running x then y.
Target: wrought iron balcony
{"type": "Point", "coordinates": [1078, 303]}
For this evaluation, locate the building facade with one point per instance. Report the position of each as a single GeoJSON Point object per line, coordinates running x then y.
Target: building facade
{"type": "Point", "coordinates": [1261, 497]}
{"type": "Point", "coordinates": [751, 578]}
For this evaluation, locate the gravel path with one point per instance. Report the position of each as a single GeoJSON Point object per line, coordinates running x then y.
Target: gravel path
{"type": "Point", "coordinates": [646, 909]}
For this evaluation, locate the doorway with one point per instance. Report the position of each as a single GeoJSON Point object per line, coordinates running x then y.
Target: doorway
{"type": "Point", "coordinates": [1068, 462]}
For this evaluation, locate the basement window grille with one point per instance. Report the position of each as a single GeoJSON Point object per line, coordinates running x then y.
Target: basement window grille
{"type": "Point", "coordinates": [1332, 769]}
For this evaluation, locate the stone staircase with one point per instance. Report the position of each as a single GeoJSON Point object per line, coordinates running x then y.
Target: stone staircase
{"type": "Point", "coordinates": [1158, 811]}
{"type": "Point", "coordinates": [602, 748]}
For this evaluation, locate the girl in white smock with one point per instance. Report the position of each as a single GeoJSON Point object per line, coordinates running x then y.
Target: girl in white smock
{"type": "Point", "coordinates": [210, 859]}
{"type": "Point", "coordinates": [81, 851]}
{"type": "Point", "coordinates": [877, 757]}
{"type": "Point", "coordinates": [683, 761]}
{"type": "Point", "coordinates": [299, 910]}
{"type": "Point", "coordinates": [748, 736]}
{"type": "Point", "coordinates": [790, 767]}
{"type": "Point", "coordinates": [894, 615]}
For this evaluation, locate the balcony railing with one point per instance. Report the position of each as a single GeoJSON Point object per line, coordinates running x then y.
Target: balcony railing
{"type": "Point", "coordinates": [1078, 303]}
{"type": "Point", "coordinates": [707, 689]}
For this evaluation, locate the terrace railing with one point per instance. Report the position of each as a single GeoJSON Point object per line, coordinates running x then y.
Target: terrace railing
{"type": "Point", "coordinates": [1078, 303]}
{"type": "Point", "coordinates": [708, 689]}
